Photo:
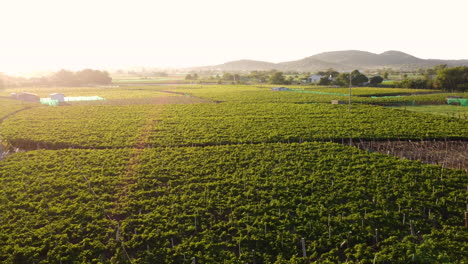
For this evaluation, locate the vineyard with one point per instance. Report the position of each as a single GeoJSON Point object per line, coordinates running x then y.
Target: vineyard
{"type": "Point", "coordinates": [9, 107]}
{"type": "Point", "coordinates": [225, 123]}
{"type": "Point", "coordinates": [263, 94]}
{"type": "Point", "coordinates": [232, 174]}
{"type": "Point", "coordinates": [221, 203]}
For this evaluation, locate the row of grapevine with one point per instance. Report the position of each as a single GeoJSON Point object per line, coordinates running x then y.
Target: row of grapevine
{"type": "Point", "coordinates": [225, 123]}
{"type": "Point", "coordinates": [76, 126]}
{"type": "Point", "coordinates": [210, 124]}
{"type": "Point", "coordinates": [56, 204]}
{"type": "Point", "coordinates": [261, 203]}
{"type": "Point", "coordinates": [361, 95]}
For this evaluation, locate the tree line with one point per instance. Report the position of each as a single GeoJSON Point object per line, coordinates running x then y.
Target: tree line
{"type": "Point", "coordinates": [83, 77]}
{"type": "Point", "coordinates": [60, 78]}
{"type": "Point", "coordinates": [438, 77]}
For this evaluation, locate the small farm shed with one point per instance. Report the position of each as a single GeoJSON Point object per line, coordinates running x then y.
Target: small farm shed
{"type": "Point", "coordinates": [280, 89]}
{"type": "Point", "coordinates": [14, 95]}
{"type": "Point", "coordinates": [337, 102]}
{"type": "Point", "coordinates": [315, 78]}
{"type": "Point", "coordinates": [57, 96]}
{"type": "Point", "coordinates": [30, 97]}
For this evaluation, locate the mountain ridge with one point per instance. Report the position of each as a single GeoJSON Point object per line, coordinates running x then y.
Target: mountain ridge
{"type": "Point", "coordinates": [344, 60]}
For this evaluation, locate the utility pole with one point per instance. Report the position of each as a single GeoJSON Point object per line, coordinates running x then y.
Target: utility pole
{"type": "Point", "coordinates": [349, 103]}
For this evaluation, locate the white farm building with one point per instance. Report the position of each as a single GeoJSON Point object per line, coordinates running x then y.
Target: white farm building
{"type": "Point", "coordinates": [315, 78]}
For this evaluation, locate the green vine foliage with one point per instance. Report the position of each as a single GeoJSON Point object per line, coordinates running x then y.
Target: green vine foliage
{"type": "Point", "coordinates": [219, 124]}
{"type": "Point", "coordinates": [230, 204]}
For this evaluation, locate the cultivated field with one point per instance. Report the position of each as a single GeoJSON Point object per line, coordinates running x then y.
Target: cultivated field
{"type": "Point", "coordinates": [233, 174]}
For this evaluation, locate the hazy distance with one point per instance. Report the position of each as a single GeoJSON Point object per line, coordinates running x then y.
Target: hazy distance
{"type": "Point", "coordinates": [49, 35]}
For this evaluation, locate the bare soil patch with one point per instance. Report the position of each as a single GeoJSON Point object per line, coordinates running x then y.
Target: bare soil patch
{"type": "Point", "coordinates": [449, 154]}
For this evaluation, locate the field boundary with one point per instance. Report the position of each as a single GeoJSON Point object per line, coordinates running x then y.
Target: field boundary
{"type": "Point", "coordinates": [15, 112]}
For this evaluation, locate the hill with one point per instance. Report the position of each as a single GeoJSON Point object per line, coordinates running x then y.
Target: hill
{"type": "Point", "coordinates": [241, 65]}
{"type": "Point", "coordinates": [345, 60]}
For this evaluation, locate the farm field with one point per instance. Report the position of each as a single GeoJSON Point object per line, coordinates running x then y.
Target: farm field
{"type": "Point", "coordinates": [368, 91]}
{"type": "Point", "coordinates": [225, 123]}
{"type": "Point", "coordinates": [9, 106]}
{"type": "Point", "coordinates": [233, 174]}
{"type": "Point", "coordinates": [132, 79]}
{"type": "Point", "coordinates": [444, 110]}
{"type": "Point", "coordinates": [311, 94]}
{"type": "Point", "coordinates": [225, 203]}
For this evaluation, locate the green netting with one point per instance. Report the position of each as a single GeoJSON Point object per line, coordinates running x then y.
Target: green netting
{"type": "Point", "coordinates": [460, 101]}
{"type": "Point", "coordinates": [83, 98]}
{"type": "Point", "coordinates": [48, 101]}
{"type": "Point", "coordinates": [51, 102]}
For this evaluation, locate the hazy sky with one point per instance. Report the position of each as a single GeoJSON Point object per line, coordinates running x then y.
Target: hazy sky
{"type": "Point", "coordinates": [54, 34]}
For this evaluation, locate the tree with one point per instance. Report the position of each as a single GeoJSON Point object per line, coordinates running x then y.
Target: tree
{"type": "Point", "coordinates": [414, 84]}
{"type": "Point", "coordinates": [89, 76]}
{"type": "Point", "coordinates": [64, 78]}
{"type": "Point", "coordinates": [440, 67]}
{"type": "Point", "coordinates": [324, 81]}
{"type": "Point", "coordinates": [452, 79]}
{"type": "Point", "coordinates": [228, 77]}
{"type": "Point", "coordinates": [429, 73]}
{"type": "Point", "coordinates": [289, 80]}
{"type": "Point", "coordinates": [258, 76]}
{"type": "Point", "coordinates": [330, 72]}
{"type": "Point", "coordinates": [385, 75]}
{"type": "Point", "coordinates": [277, 78]}
{"type": "Point", "coordinates": [357, 78]}
{"type": "Point", "coordinates": [83, 77]}
{"type": "Point", "coordinates": [376, 80]}
{"type": "Point", "coordinates": [188, 77]}
{"type": "Point", "coordinates": [236, 78]}
{"type": "Point", "coordinates": [342, 79]}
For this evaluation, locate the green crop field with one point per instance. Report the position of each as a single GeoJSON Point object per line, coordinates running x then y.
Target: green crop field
{"type": "Point", "coordinates": [132, 79]}
{"type": "Point", "coordinates": [444, 110]}
{"type": "Point", "coordinates": [224, 123]}
{"type": "Point", "coordinates": [10, 106]}
{"type": "Point", "coordinates": [220, 203]}
{"type": "Point", "coordinates": [368, 91]}
{"type": "Point", "coordinates": [196, 173]}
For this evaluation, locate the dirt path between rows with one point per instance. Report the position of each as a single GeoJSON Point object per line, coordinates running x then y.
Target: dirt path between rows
{"type": "Point", "coordinates": [15, 112]}
{"type": "Point", "coordinates": [129, 177]}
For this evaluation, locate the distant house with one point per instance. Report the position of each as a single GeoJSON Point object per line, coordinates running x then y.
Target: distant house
{"type": "Point", "coordinates": [30, 97]}
{"type": "Point", "coordinates": [58, 96]}
{"type": "Point", "coordinates": [315, 78]}
{"type": "Point", "coordinates": [280, 89]}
